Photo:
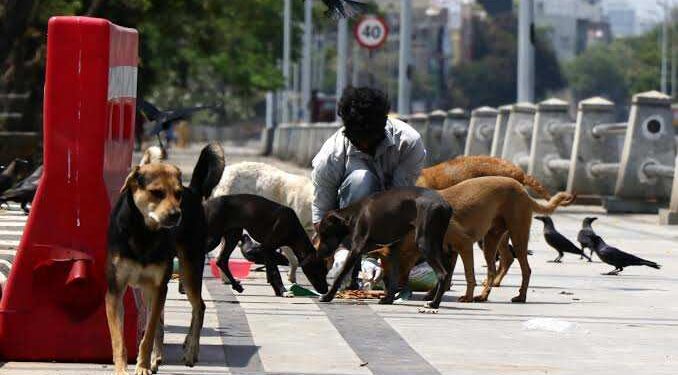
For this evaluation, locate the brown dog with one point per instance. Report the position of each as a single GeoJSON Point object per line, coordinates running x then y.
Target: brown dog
{"type": "Point", "coordinates": [486, 208]}
{"type": "Point", "coordinates": [462, 168]}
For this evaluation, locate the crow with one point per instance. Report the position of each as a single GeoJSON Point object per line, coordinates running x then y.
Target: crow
{"type": "Point", "coordinates": [558, 241]}
{"type": "Point", "coordinates": [24, 191]}
{"type": "Point", "coordinates": [16, 171]}
{"type": "Point", "coordinates": [164, 119]}
{"type": "Point", "coordinates": [584, 235]}
{"type": "Point", "coordinates": [344, 8]}
{"type": "Point", "coordinates": [617, 258]}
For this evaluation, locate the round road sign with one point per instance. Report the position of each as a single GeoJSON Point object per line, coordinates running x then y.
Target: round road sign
{"type": "Point", "coordinates": [371, 31]}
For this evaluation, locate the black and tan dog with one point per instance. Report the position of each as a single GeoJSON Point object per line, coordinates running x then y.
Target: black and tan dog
{"type": "Point", "coordinates": [269, 223]}
{"type": "Point", "coordinates": [155, 219]}
{"type": "Point", "coordinates": [385, 219]}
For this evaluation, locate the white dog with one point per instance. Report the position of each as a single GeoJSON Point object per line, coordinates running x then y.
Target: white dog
{"type": "Point", "coordinates": [288, 189]}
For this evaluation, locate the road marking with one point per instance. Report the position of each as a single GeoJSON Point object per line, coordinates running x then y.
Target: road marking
{"type": "Point", "coordinates": [374, 340]}
{"type": "Point", "coordinates": [241, 353]}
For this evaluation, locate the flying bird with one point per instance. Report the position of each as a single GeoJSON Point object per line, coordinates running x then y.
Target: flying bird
{"type": "Point", "coordinates": [557, 241]}
{"type": "Point", "coordinates": [344, 8]}
{"type": "Point", "coordinates": [617, 258]}
{"type": "Point", "coordinates": [164, 119]}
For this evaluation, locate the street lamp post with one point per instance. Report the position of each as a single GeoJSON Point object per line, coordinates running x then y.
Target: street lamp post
{"type": "Point", "coordinates": [404, 58]}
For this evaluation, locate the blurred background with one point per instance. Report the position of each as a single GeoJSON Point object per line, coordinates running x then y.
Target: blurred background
{"type": "Point", "coordinates": [463, 53]}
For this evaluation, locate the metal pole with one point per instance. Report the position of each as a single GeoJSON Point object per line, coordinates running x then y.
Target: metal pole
{"type": "Point", "coordinates": [405, 57]}
{"type": "Point", "coordinates": [355, 66]}
{"type": "Point", "coordinates": [342, 52]}
{"type": "Point", "coordinates": [665, 39]}
{"type": "Point", "coordinates": [287, 48]}
{"type": "Point", "coordinates": [306, 62]}
{"type": "Point", "coordinates": [525, 52]}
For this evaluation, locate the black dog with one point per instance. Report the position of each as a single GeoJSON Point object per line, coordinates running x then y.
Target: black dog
{"type": "Point", "coordinates": [155, 219]}
{"type": "Point", "coordinates": [383, 219]}
{"type": "Point", "coordinates": [269, 223]}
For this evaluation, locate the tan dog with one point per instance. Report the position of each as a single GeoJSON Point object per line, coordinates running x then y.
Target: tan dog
{"type": "Point", "coordinates": [486, 208]}
{"type": "Point", "coordinates": [462, 168]}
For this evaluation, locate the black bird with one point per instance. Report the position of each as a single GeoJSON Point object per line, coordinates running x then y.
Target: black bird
{"type": "Point", "coordinates": [344, 8]}
{"type": "Point", "coordinates": [617, 258]}
{"type": "Point", "coordinates": [584, 235]}
{"type": "Point", "coordinates": [558, 241]}
{"type": "Point", "coordinates": [164, 119]}
{"type": "Point", "coordinates": [16, 171]}
{"type": "Point", "coordinates": [24, 191]}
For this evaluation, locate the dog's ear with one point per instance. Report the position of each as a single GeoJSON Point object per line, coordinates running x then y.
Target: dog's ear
{"type": "Point", "coordinates": [133, 179]}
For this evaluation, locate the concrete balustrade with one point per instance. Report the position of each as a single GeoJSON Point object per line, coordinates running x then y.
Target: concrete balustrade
{"type": "Point", "coordinates": [630, 165]}
{"type": "Point", "coordinates": [648, 154]}
{"type": "Point", "coordinates": [433, 140]}
{"type": "Point", "coordinates": [480, 131]}
{"type": "Point", "coordinates": [453, 138]}
{"type": "Point", "coordinates": [517, 143]}
{"type": "Point", "coordinates": [551, 147]}
{"type": "Point", "coordinates": [500, 131]}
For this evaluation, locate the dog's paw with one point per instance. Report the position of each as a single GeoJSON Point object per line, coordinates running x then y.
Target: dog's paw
{"type": "Point", "coordinates": [519, 299]}
{"type": "Point", "coordinates": [386, 300]}
{"type": "Point", "coordinates": [156, 360]}
{"type": "Point", "coordinates": [465, 299]}
{"type": "Point", "coordinates": [480, 298]}
{"type": "Point", "coordinates": [427, 309]}
{"type": "Point", "coordinates": [325, 298]}
{"type": "Point", "coordinates": [142, 370]}
{"type": "Point", "coordinates": [122, 371]}
{"type": "Point", "coordinates": [191, 348]}
{"type": "Point", "coordinates": [238, 287]}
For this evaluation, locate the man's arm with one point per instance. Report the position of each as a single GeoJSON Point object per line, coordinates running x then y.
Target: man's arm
{"type": "Point", "coordinates": [412, 161]}
{"type": "Point", "coordinates": [326, 178]}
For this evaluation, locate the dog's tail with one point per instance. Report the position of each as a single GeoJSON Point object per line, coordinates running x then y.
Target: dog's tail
{"type": "Point", "coordinates": [560, 199]}
{"type": "Point", "coordinates": [536, 186]}
{"type": "Point", "coordinates": [208, 170]}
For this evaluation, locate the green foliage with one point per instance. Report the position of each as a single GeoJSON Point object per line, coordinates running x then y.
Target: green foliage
{"type": "Point", "coordinates": [191, 52]}
{"type": "Point", "coordinates": [617, 70]}
{"type": "Point", "coordinates": [490, 77]}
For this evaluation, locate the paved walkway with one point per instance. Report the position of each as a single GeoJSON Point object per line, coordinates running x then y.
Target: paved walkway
{"type": "Point", "coordinates": [583, 322]}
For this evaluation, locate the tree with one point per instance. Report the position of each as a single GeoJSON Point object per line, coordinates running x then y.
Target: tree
{"type": "Point", "coordinates": [191, 51]}
{"type": "Point", "coordinates": [490, 78]}
{"type": "Point", "coordinates": [618, 70]}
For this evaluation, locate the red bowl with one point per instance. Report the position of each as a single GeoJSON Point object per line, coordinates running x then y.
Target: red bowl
{"type": "Point", "coordinates": [240, 268]}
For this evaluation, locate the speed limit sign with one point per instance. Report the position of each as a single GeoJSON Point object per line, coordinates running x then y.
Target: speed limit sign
{"type": "Point", "coordinates": [371, 32]}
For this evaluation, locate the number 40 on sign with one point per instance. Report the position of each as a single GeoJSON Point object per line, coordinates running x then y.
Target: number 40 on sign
{"type": "Point", "coordinates": [371, 31]}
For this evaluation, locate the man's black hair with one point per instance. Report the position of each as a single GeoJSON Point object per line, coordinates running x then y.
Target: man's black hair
{"type": "Point", "coordinates": [364, 111]}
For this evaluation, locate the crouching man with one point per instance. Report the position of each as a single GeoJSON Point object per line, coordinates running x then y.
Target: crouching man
{"type": "Point", "coordinates": [370, 153]}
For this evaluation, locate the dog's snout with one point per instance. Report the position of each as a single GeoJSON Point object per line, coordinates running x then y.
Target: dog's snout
{"type": "Point", "coordinates": [174, 216]}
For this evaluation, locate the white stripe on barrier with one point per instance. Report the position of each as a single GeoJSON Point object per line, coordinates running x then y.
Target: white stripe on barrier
{"type": "Point", "coordinates": [122, 82]}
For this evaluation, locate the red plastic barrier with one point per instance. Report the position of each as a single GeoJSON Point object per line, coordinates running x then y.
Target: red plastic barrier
{"type": "Point", "coordinates": [53, 306]}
